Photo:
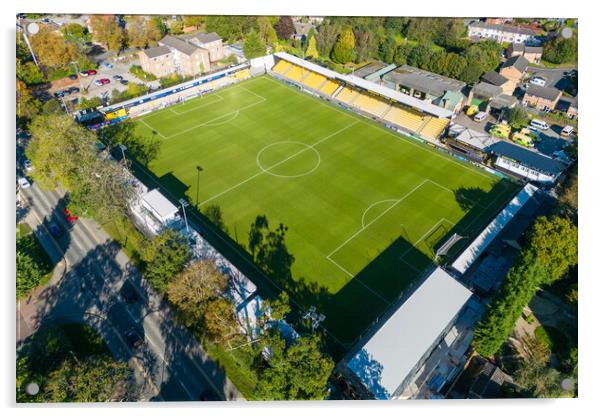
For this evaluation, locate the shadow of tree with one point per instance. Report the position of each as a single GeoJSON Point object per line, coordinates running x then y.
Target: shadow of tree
{"type": "Point", "coordinates": [468, 198]}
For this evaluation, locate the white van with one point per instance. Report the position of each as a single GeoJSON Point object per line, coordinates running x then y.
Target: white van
{"type": "Point", "coordinates": [567, 131]}
{"type": "Point", "coordinates": [539, 124]}
{"type": "Point", "coordinates": [480, 116]}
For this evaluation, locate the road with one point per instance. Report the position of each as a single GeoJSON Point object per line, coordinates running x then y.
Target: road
{"type": "Point", "coordinates": [170, 365]}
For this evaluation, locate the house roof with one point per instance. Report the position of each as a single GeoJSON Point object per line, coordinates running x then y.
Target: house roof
{"type": "Point", "coordinates": [503, 100]}
{"type": "Point", "coordinates": [369, 85]}
{"type": "Point", "coordinates": [533, 49]}
{"type": "Point", "coordinates": [504, 28]}
{"type": "Point", "coordinates": [302, 28]}
{"type": "Point", "coordinates": [549, 93]}
{"type": "Point", "coordinates": [494, 78]}
{"type": "Point", "coordinates": [370, 68]}
{"type": "Point", "coordinates": [517, 47]}
{"type": "Point", "coordinates": [425, 81]}
{"type": "Point", "coordinates": [535, 161]}
{"type": "Point", "coordinates": [206, 37]}
{"type": "Point", "coordinates": [519, 62]}
{"type": "Point", "coordinates": [385, 361]}
{"type": "Point", "coordinates": [487, 90]}
{"type": "Point", "coordinates": [159, 204]}
{"type": "Point", "coordinates": [476, 139]}
{"type": "Point", "coordinates": [156, 51]}
{"type": "Point", "coordinates": [178, 44]}
{"type": "Point", "coordinates": [482, 241]}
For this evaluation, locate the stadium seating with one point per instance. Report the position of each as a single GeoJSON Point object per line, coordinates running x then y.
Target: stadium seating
{"type": "Point", "coordinates": [370, 105]}
{"type": "Point", "coordinates": [281, 67]}
{"type": "Point", "coordinates": [296, 73]}
{"type": "Point", "coordinates": [242, 74]}
{"type": "Point", "coordinates": [330, 87]}
{"type": "Point", "coordinates": [407, 119]}
{"type": "Point", "coordinates": [434, 127]}
{"type": "Point", "coordinates": [347, 95]}
{"type": "Point", "coordinates": [314, 80]}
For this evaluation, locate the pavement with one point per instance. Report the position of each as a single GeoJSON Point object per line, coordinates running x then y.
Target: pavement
{"type": "Point", "coordinates": [91, 269]}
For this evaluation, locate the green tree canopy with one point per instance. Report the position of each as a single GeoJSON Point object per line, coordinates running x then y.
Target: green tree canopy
{"type": "Point", "coordinates": [344, 48]}
{"type": "Point", "coordinates": [554, 241]}
{"type": "Point", "coordinates": [285, 27]}
{"type": "Point", "coordinates": [560, 50]}
{"type": "Point", "coordinates": [254, 46]}
{"type": "Point", "coordinates": [164, 257]}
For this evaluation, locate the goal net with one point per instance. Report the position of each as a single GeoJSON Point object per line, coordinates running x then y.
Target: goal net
{"type": "Point", "coordinates": [443, 250]}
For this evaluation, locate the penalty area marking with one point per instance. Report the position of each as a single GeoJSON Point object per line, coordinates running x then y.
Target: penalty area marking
{"type": "Point", "coordinates": [305, 147]}
{"type": "Point", "coordinates": [200, 105]}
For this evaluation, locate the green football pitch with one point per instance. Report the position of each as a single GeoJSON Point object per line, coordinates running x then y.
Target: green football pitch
{"type": "Point", "coordinates": [366, 208]}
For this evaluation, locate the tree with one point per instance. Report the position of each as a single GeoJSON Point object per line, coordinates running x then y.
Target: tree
{"type": "Point", "coordinates": [569, 193]}
{"type": "Point", "coordinates": [106, 31]}
{"type": "Point", "coordinates": [421, 56]}
{"type": "Point", "coordinates": [220, 323]}
{"type": "Point", "coordinates": [27, 106]}
{"type": "Point", "coordinates": [554, 241]}
{"type": "Point", "coordinates": [344, 48]}
{"type": "Point", "coordinates": [296, 372]}
{"type": "Point", "coordinates": [29, 73]}
{"type": "Point", "coordinates": [76, 33]}
{"type": "Point", "coordinates": [285, 27]}
{"type": "Point", "coordinates": [387, 51]}
{"type": "Point", "coordinates": [192, 290]}
{"type": "Point", "coordinates": [51, 49]}
{"type": "Point", "coordinates": [230, 28]}
{"type": "Point", "coordinates": [518, 117]}
{"type": "Point", "coordinates": [164, 257]}
{"type": "Point", "coordinates": [60, 149]}
{"type": "Point", "coordinates": [143, 148]}
{"type": "Point", "coordinates": [365, 44]}
{"type": "Point", "coordinates": [29, 273]}
{"type": "Point", "coordinates": [454, 65]}
{"type": "Point", "coordinates": [312, 49]}
{"type": "Point", "coordinates": [194, 20]}
{"type": "Point", "coordinates": [326, 38]}
{"type": "Point", "coordinates": [253, 46]}
{"type": "Point", "coordinates": [266, 30]}
{"type": "Point", "coordinates": [176, 27]}
{"type": "Point", "coordinates": [560, 50]}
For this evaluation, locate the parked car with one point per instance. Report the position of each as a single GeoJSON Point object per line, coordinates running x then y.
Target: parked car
{"type": "Point", "coordinates": [73, 76]}
{"type": "Point", "coordinates": [107, 65]}
{"type": "Point", "coordinates": [128, 292]}
{"type": "Point", "coordinates": [28, 166]}
{"type": "Point", "coordinates": [23, 183]}
{"type": "Point", "coordinates": [54, 230]}
{"type": "Point", "coordinates": [91, 72]}
{"type": "Point", "coordinates": [567, 131]}
{"type": "Point", "coordinates": [60, 94]}
{"type": "Point", "coordinates": [105, 81]}
{"type": "Point", "coordinates": [73, 90]}
{"type": "Point", "coordinates": [538, 124]}
{"type": "Point", "coordinates": [480, 116]}
{"type": "Point", "coordinates": [83, 73]}
{"type": "Point", "coordinates": [133, 338]}
{"type": "Point", "coordinates": [124, 82]}
{"type": "Point", "coordinates": [117, 77]}
{"type": "Point", "coordinates": [538, 81]}
{"type": "Point", "coordinates": [98, 83]}
{"type": "Point", "coordinates": [69, 216]}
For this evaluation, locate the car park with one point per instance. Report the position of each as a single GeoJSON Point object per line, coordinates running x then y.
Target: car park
{"type": "Point", "coordinates": [24, 183]}
{"type": "Point", "coordinates": [98, 83]}
{"type": "Point", "coordinates": [59, 94]}
{"type": "Point", "coordinates": [117, 77]}
{"type": "Point", "coordinates": [73, 90]}
{"type": "Point", "coordinates": [83, 73]}
{"type": "Point", "coordinates": [69, 216]}
{"type": "Point", "coordinates": [133, 338]}
{"type": "Point", "coordinates": [54, 230]}
{"type": "Point", "coordinates": [105, 81]}
{"type": "Point", "coordinates": [91, 72]}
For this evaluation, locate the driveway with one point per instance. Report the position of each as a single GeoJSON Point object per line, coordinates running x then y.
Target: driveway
{"type": "Point", "coordinates": [555, 77]}
{"type": "Point", "coordinates": [170, 365]}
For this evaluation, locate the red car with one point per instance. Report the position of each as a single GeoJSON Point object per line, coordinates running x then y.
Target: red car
{"type": "Point", "coordinates": [69, 216]}
{"type": "Point", "coordinates": [91, 72]}
{"type": "Point", "coordinates": [105, 81]}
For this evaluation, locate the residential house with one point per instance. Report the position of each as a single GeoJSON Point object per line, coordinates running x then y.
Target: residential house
{"type": "Point", "coordinates": [541, 98]}
{"type": "Point", "coordinates": [209, 41]}
{"type": "Point", "coordinates": [427, 86]}
{"type": "Point", "coordinates": [531, 53]}
{"type": "Point", "coordinates": [500, 33]}
{"type": "Point", "coordinates": [508, 86]}
{"type": "Point", "coordinates": [514, 68]}
{"type": "Point", "coordinates": [175, 56]}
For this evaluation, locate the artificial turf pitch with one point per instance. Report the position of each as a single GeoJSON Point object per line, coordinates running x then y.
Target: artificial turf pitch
{"type": "Point", "coordinates": [365, 207]}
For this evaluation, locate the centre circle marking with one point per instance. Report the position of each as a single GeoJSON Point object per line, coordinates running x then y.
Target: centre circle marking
{"type": "Point", "coordinates": [267, 169]}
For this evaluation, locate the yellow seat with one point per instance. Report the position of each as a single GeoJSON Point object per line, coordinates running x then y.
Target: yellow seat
{"type": "Point", "coordinates": [370, 105]}
{"type": "Point", "coordinates": [347, 95]}
{"type": "Point", "coordinates": [314, 80]}
{"type": "Point", "coordinates": [296, 73]}
{"type": "Point", "coordinates": [281, 67]}
{"type": "Point", "coordinates": [434, 127]}
{"type": "Point", "coordinates": [330, 87]}
{"type": "Point", "coordinates": [405, 118]}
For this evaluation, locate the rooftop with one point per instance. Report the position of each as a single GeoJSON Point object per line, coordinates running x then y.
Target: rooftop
{"type": "Point", "coordinates": [476, 139]}
{"type": "Point", "coordinates": [504, 28]}
{"type": "Point", "coordinates": [156, 51]}
{"type": "Point", "coordinates": [548, 93]}
{"type": "Point", "coordinates": [385, 361]}
{"type": "Point", "coordinates": [178, 44]}
{"type": "Point", "coordinates": [503, 100]}
{"type": "Point", "coordinates": [159, 204]}
{"type": "Point", "coordinates": [519, 62]}
{"type": "Point", "coordinates": [528, 158]}
{"type": "Point", "coordinates": [485, 89]}
{"type": "Point", "coordinates": [494, 78]}
{"type": "Point", "coordinates": [368, 69]}
{"type": "Point", "coordinates": [425, 81]}
{"type": "Point", "coordinates": [206, 37]}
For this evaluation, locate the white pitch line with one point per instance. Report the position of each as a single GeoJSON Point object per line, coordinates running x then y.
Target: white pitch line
{"type": "Point", "coordinates": [153, 129]}
{"type": "Point", "coordinates": [200, 105]}
{"type": "Point", "coordinates": [377, 217]}
{"type": "Point", "coordinates": [445, 188]}
{"type": "Point", "coordinates": [425, 235]}
{"type": "Point", "coordinates": [372, 205]}
{"type": "Point", "coordinates": [359, 281]}
{"type": "Point", "coordinates": [276, 164]}
{"type": "Point", "coordinates": [216, 118]}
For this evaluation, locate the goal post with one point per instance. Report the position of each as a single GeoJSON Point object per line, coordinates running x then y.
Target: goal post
{"type": "Point", "coordinates": [451, 241]}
